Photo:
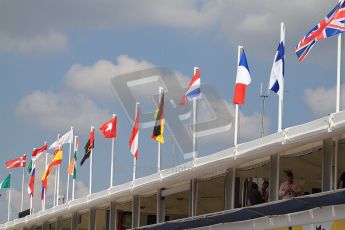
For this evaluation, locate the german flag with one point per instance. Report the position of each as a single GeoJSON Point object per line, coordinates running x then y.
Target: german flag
{"type": "Point", "coordinates": [158, 130]}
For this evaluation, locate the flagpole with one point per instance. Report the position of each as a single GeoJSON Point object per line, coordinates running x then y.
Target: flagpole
{"type": "Point", "coordinates": [240, 48]}
{"type": "Point", "coordinates": [33, 166]}
{"type": "Point", "coordinates": [75, 149]}
{"type": "Point", "coordinates": [44, 191]}
{"type": "Point", "coordinates": [58, 185]}
{"type": "Point", "coordinates": [55, 182]}
{"type": "Point", "coordinates": [135, 159]}
{"type": "Point", "coordinates": [161, 89]}
{"type": "Point", "coordinates": [339, 71]}
{"type": "Point", "coordinates": [23, 174]}
{"type": "Point", "coordinates": [194, 122]}
{"type": "Point", "coordinates": [55, 177]}
{"type": "Point", "coordinates": [281, 91]}
{"type": "Point", "coordinates": [9, 204]}
{"type": "Point", "coordinates": [90, 187]}
{"type": "Point", "coordinates": [69, 160]}
{"type": "Point", "coordinates": [112, 159]}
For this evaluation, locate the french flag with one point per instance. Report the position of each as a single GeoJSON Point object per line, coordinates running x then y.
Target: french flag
{"type": "Point", "coordinates": [242, 80]}
{"type": "Point", "coordinates": [193, 87]}
{"type": "Point", "coordinates": [277, 72]}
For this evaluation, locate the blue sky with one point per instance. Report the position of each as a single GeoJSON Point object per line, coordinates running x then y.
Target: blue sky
{"type": "Point", "coordinates": [56, 59]}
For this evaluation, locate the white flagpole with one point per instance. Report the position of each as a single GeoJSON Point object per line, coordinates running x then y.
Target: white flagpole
{"type": "Point", "coordinates": [69, 160]}
{"type": "Point", "coordinates": [339, 70]}
{"type": "Point", "coordinates": [194, 122]}
{"type": "Point", "coordinates": [112, 160]}
{"type": "Point", "coordinates": [75, 149]}
{"type": "Point", "coordinates": [55, 178]}
{"type": "Point", "coordinates": [161, 89]}
{"type": "Point", "coordinates": [55, 182]}
{"type": "Point", "coordinates": [134, 159]}
{"type": "Point", "coordinates": [240, 48]}
{"type": "Point", "coordinates": [58, 185]}
{"type": "Point", "coordinates": [281, 91]}
{"type": "Point", "coordinates": [90, 187]}
{"type": "Point", "coordinates": [9, 204]}
{"type": "Point", "coordinates": [23, 174]}
{"type": "Point", "coordinates": [33, 167]}
{"type": "Point", "coordinates": [45, 192]}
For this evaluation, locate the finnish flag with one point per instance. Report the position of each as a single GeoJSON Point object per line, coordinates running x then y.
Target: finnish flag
{"type": "Point", "coordinates": [277, 73]}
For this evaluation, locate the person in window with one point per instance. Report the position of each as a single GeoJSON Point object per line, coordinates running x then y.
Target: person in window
{"type": "Point", "coordinates": [289, 188]}
{"type": "Point", "coordinates": [264, 192]}
{"type": "Point", "coordinates": [254, 196]}
{"type": "Point", "coordinates": [341, 182]}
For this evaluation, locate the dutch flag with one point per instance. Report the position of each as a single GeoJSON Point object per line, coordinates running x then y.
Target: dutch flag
{"type": "Point", "coordinates": [277, 73]}
{"type": "Point", "coordinates": [242, 80]}
{"type": "Point", "coordinates": [193, 87]}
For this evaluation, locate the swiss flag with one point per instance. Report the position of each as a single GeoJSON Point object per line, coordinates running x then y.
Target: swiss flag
{"type": "Point", "coordinates": [109, 128]}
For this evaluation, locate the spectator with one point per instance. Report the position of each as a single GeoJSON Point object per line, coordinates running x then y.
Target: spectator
{"type": "Point", "coordinates": [264, 192]}
{"type": "Point", "coordinates": [254, 196]}
{"type": "Point", "coordinates": [341, 182]}
{"type": "Point", "coordinates": [289, 188]}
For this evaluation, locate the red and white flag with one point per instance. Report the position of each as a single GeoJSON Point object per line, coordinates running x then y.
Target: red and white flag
{"type": "Point", "coordinates": [134, 140]}
{"type": "Point", "coordinates": [242, 80]}
{"type": "Point", "coordinates": [36, 153]}
{"type": "Point", "coordinates": [109, 128]}
{"type": "Point", "coordinates": [16, 163]}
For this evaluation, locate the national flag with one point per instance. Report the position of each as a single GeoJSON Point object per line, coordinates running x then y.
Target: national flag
{"type": "Point", "coordinates": [36, 153]}
{"type": "Point", "coordinates": [6, 183]}
{"type": "Point", "coordinates": [16, 163]}
{"type": "Point", "coordinates": [72, 168]}
{"type": "Point", "coordinates": [89, 146]}
{"type": "Point", "coordinates": [31, 186]}
{"type": "Point", "coordinates": [332, 24]}
{"type": "Point", "coordinates": [42, 191]}
{"type": "Point", "coordinates": [67, 138]}
{"type": "Point", "coordinates": [278, 68]}
{"type": "Point", "coordinates": [30, 166]}
{"type": "Point", "coordinates": [158, 130]}
{"type": "Point", "coordinates": [193, 88]}
{"type": "Point", "coordinates": [134, 139]}
{"type": "Point", "coordinates": [242, 80]}
{"type": "Point", "coordinates": [56, 161]}
{"type": "Point", "coordinates": [109, 128]}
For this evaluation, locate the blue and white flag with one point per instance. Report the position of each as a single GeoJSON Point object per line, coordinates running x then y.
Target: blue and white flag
{"type": "Point", "coordinates": [277, 72]}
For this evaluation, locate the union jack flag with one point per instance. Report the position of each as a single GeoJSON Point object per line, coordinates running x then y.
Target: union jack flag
{"type": "Point", "coordinates": [332, 24]}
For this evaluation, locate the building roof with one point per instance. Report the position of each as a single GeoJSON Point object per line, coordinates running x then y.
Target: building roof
{"type": "Point", "coordinates": [289, 138]}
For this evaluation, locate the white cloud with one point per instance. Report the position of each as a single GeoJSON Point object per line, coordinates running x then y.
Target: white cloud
{"type": "Point", "coordinates": [236, 21]}
{"type": "Point", "coordinates": [95, 80]}
{"type": "Point", "coordinates": [58, 111]}
{"type": "Point", "coordinates": [322, 100]}
{"type": "Point", "coordinates": [51, 42]}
